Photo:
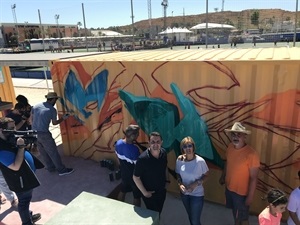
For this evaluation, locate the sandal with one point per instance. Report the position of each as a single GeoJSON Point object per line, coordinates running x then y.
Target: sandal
{"type": "Point", "coordinates": [2, 200]}
{"type": "Point", "coordinates": [14, 203]}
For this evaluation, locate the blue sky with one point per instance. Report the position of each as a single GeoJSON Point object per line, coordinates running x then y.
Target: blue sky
{"type": "Point", "coordinates": [105, 13]}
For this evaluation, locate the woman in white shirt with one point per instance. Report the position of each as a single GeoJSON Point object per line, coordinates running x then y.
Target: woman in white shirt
{"type": "Point", "coordinates": [294, 206]}
{"type": "Point", "coordinates": [191, 172]}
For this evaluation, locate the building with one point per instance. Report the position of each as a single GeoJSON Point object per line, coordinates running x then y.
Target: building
{"type": "Point", "coordinates": [11, 34]}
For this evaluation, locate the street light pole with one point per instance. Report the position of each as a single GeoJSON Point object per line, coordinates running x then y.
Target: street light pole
{"type": "Point", "coordinates": [206, 28]}
{"type": "Point", "coordinates": [132, 24]}
{"type": "Point", "coordinates": [13, 8]}
{"type": "Point", "coordinates": [56, 19]}
{"type": "Point", "coordinates": [85, 30]}
{"type": "Point", "coordinates": [25, 30]}
{"type": "Point", "coordinates": [295, 29]}
{"type": "Point", "coordinates": [42, 31]}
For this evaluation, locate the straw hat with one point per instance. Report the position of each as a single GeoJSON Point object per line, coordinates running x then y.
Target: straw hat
{"type": "Point", "coordinates": [51, 95]}
{"type": "Point", "coordinates": [238, 128]}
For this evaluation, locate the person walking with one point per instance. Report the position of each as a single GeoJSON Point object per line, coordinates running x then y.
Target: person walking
{"type": "Point", "coordinates": [151, 174]}
{"type": "Point", "coordinates": [18, 168]}
{"type": "Point", "coordinates": [128, 154]}
{"type": "Point", "coordinates": [272, 214]}
{"type": "Point", "coordinates": [191, 171]}
{"type": "Point", "coordinates": [42, 114]}
{"type": "Point", "coordinates": [240, 174]}
{"type": "Point", "coordinates": [294, 206]}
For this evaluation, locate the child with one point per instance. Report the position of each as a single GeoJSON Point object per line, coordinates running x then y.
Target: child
{"type": "Point", "coordinates": [272, 214]}
{"type": "Point", "coordinates": [294, 206]}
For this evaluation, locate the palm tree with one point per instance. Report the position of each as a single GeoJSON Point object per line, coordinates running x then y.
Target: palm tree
{"type": "Point", "coordinates": [79, 24]}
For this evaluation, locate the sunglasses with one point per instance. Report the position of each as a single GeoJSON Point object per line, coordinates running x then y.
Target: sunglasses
{"type": "Point", "coordinates": [187, 146]}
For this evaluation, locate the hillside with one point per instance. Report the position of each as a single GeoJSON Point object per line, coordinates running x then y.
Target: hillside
{"type": "Point", "coordinates": [241, 20]}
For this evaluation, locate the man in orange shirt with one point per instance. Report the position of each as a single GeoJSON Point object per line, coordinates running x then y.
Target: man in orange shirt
{"type": "Point", "coordinates": [240, 174]}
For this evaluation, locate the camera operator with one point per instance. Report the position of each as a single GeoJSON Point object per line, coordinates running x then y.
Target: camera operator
{"type": "Point", "coordinates": [21, 120]}
{"type": "Point", "coordinates": [27, 112]}
{"type": "Point", "coordinates": [18, 166]}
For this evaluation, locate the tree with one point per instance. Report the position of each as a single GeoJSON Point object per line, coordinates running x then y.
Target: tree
{"type": "Point", "coordinates": [48, 32]}
{"type": "Point", "coordinates": [37, 32]}
{"type": "Point", "coordinates": [239, 23]}
{"type": "Point", "coordinates": [229, 22]}
{"type": "Point", "coordinates": [174, 24]}
{"type": "Point", "coordinates": [79, 24]}
{"type": "Point", "coordinates": [216, 9]}
{"type": "Point", "coordinates": [188, 24]}
{"type": "Point", "coordinates": [255, 18]}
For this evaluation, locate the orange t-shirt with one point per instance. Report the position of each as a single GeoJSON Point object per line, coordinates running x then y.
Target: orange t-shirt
{"type": "Point", "coordinates": [239, 162]}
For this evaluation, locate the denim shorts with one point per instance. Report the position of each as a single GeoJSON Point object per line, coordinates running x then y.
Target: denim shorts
{"type": "Point", "coordinates": [237, 203]}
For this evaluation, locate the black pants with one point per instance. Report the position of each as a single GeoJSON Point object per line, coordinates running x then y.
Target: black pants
{"type": "Point", "coordinates": [156, 201]}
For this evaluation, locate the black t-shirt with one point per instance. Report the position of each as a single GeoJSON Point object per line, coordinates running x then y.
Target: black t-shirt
{"type": "Point", "coordinates": [152, 171]}
{"type": "Point", "coordinates": [6, 145]}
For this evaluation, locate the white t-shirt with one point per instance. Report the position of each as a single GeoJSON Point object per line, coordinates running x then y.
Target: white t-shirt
{"type": "Point", "coordinates": [294, 205]}
{"type": "Point", "coordinates": [191, 171]}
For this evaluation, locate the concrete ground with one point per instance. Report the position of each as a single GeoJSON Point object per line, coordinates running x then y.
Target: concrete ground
{"type": "Point", "coordinates": [56, 192]}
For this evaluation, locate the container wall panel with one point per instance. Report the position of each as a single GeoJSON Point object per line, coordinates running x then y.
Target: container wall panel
{"type": "Point", "coordinates": [178, 98]}
{"type": "Point", "coordinates": [7, 92]}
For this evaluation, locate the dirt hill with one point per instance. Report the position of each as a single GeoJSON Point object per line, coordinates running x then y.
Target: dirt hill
{"type": "Point", "coordinates": [241, 20]}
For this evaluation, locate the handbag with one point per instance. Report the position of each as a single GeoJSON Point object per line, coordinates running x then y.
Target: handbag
{"type": "Point", "coordinates": [37, 163]}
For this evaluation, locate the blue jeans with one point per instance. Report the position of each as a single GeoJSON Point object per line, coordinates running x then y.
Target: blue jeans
{"type": "Point", "coordinates": [48, 150]}
{"type": "Point", "coordinates": [5, 189]}
{"type": "Point", "coordinates": [193, 206]}
{"type": "Point", "coordinates": [23, 207]}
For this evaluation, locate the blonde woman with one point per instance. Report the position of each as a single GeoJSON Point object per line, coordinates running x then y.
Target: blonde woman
{"type": "Point", "coordinates": [191, 172]}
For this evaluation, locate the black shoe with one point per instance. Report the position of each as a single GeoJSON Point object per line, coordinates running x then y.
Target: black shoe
{"type": "Point", "coordinates": [66, 171]}
{"type": "Point", "coordinates": [36, 217]}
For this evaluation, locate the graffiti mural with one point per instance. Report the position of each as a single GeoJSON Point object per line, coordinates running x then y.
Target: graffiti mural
{"type": "Point", "coordinates": [185, 98]}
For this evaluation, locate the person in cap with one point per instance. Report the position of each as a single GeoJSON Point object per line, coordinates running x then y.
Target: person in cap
{"type": "Point", "coordinates": [240, 173]}
{"type": "Point", "coordinates": [151, 174]}
{"type": "Point", "coordinates": [294, 205]}
{"type": "Point", "coordinates": [127, 153]}
{"type": "Point", "coordinates": [42, 114]}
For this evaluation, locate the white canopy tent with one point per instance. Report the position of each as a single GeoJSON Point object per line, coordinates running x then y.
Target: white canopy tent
{"type": "Point", "coordinates": [202, 26]}
{"type": "Point", "coordinates": [178, 34]}
{"type": "Point", "coordinates": [215, 34]}
{"type": "Point", "coordinates": [175, 30]}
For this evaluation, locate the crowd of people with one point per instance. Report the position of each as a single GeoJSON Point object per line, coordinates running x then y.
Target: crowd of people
{"type": "Point", "coordinates": [143, 172]}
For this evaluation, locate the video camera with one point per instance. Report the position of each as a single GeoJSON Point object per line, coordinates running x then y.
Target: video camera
{"type": "Point", "coordinates": [29, 136]}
